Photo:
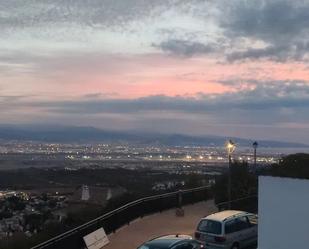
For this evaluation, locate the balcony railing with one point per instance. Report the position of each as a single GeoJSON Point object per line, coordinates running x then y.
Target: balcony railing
{"type": "Point", "coordinates": [121, 216]}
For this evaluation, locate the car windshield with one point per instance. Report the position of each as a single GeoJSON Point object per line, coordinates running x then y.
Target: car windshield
{"type": "Point", "coordinates": [209, 226]}
{"type": "Point", "coordinates": [253, 219]}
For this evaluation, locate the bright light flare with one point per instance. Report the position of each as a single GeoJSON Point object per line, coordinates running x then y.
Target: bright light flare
{"type": "Point", "coordinates": [230, 147]}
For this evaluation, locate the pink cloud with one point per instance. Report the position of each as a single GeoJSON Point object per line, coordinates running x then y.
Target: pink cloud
{"type": "Point", "coordinates": [142, 75]}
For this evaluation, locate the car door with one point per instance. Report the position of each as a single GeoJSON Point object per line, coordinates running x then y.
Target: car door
{"type": "Point", "coordinates": [244, 230]}
{"type": "Point", "coordinates": [253, 233]}
{"type": "Point", "coordinates": [230, 230]}
{"type": "Point", "coordinates": [236, 230]}
{"type": "Point", "coordinates": [208, 230]}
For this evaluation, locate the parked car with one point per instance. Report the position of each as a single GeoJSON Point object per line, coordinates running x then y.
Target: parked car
{"type": "Point", "coordinates": [227, 230]}
{"type": "Point", "coordinates": [172, 242]}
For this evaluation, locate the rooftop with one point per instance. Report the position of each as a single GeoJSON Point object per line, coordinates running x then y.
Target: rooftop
{"type": "Point", "coordinates": [221, 216]}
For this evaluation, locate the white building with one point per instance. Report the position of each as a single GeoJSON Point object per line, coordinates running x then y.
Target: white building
{"type": "Point", "coordinates": [283, 213]}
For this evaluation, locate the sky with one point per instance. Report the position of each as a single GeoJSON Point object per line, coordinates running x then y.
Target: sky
{"type": "Point", "coordinates": [200, 67]}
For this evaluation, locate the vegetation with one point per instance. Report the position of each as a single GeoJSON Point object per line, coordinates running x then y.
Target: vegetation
{"type": "Point", "coordinates": [245, 183]}
{"type": "Point", "coordinates": [295, 166]}
{"type": "Point", "coordinates": [130, 180]}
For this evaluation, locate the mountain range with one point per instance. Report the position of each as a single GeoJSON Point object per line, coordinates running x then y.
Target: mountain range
{"type": "Point", "coordinates": [65, 134]}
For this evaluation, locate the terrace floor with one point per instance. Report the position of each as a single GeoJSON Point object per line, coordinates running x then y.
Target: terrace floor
{"type": "Point", "coordinates": [141, 230]}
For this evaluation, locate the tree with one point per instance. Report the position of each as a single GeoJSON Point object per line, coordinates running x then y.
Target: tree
{"type": "Point", "coordinates": [243, 184]}
{"type": "Point", "coordinates": [34, 220]}
{"type": "Point", "coordinates": [295, 166]}
{"type": "Point", "coordinates": [15, 203]}
{"type": "Point", "coordinates": [5, 214]}
{"type": "Point", "coordinates": [193, 181]}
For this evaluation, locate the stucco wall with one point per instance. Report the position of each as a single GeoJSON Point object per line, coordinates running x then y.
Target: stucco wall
{"type": "Point", "coordinates": [283, 213]}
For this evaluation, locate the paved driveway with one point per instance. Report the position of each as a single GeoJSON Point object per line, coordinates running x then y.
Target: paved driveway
{"type": "Point", "coordinates": [141, 230]}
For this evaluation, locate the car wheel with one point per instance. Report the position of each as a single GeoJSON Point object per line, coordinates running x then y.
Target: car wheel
{"type": "Point", "coordinates": [235, 246]}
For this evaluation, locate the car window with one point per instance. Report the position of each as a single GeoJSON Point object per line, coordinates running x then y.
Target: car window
{"type": "Point", "coordinates": [230, 227]}
{"type": "Point", "coordinates": [236, 225]}
{"type": "Point", "coordinates": [143, 247]}
{"type": "Point", "coordinates": [242, 223]}
{"type": "Point", "coordinates": [184, 246]}
{"type": "Point", "coordinates": [253, 219]}
{"type": "Point", "coordinates": [153, 246]}
{"type": "Point", "coordinates": [210, 226]}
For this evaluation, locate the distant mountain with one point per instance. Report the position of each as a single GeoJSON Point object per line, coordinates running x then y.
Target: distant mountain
{"type": "Point", "coordinates": [89, 134]}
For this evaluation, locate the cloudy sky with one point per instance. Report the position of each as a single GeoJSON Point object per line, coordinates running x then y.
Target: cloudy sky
{"type": "Point", "coordinates": [233, 68]}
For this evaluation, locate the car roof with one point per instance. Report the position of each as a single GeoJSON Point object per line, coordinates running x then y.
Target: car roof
{"type": "Point", "coordinates": [167, 240]}
{"type": "Point", "coordinates": [224, 215]}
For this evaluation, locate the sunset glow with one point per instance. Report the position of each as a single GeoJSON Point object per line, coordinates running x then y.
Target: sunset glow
{"type": "Point", "coordinates": [93, 63]}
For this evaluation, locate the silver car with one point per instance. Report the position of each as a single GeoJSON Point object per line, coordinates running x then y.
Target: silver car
{"type": "Point", "coordinates": [228, 230]}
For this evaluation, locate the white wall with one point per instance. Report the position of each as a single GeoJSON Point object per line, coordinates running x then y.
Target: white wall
{"type": "Point", "coordinates": [283, 213]}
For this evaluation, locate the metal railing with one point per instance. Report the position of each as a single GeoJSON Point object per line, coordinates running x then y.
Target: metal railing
{"type": "Point", "coordinates": [247, 203]}
{"type": "Point", "coordinates": [123, 215]}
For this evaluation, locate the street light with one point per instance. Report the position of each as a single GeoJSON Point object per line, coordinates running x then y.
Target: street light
{"type": "Point", "coordinates": [230, 147]}
{"type": "Point", "coordinates": [255, 145]}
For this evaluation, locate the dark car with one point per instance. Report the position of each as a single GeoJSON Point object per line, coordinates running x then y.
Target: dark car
{"type": "Point", "coordinates": [172, 242]}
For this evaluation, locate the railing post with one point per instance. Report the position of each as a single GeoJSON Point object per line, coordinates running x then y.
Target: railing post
{"type": "Point", "coordinates": [141, 212]}
{"type": "Point", "coordinates": [180, 198]}
{"type": "Point", "coordinates": [179, 211]}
